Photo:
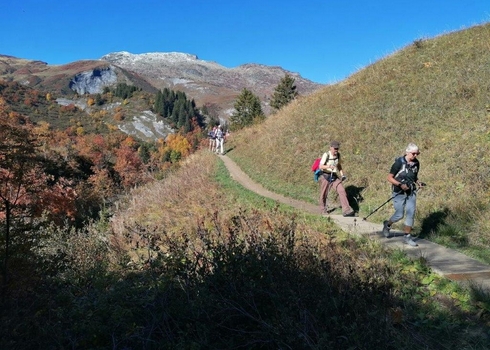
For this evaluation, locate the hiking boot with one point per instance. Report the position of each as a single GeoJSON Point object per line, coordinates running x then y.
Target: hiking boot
{"type": "Point", "coordinates": [352, 213]}
{"type": "Point", "coordinates": [386, 229]}
{"type": "Point", "coordinates": [409, 240]}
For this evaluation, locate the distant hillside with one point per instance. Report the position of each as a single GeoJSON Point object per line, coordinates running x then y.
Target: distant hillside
{"type": "Point", "coordinates": [60, 78]}
{"type": "Point", "coordinates": [435, 93]}
{"type": "Point", "coordinates": [203, 81]}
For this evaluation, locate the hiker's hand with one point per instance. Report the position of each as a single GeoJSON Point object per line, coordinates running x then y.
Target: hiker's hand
{"type": "Point", "coordinates": [343, 178]}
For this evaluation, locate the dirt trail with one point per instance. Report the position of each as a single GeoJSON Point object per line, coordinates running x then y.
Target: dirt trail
{"type": "Point", "coordinates": [444, 261]}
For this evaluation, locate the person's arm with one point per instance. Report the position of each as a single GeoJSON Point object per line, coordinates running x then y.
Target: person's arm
{"type": "Point", "coordinates": [392, 180]}
{"type": "Point", "coordinates": [322, 165]}
{"type": "Point", "coordinates": [391, 176]}
{"type": "Point", "coordinates": [339, 168]}
{"type": "Point", "coordinates": [417, 181]}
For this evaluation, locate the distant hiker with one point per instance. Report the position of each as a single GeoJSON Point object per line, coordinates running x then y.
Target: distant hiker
{"type": "Point", "coordinates": [220, 138]}
{"type": "Point", "coordinates": [331, 178]}
{"type": "Point", "coordinates": [212, 138]}
{"type": "Point", "coordinates": [404, 178]}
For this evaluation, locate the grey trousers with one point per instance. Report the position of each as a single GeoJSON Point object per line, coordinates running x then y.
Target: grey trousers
{"type": "Point", "coordinates": [404, 205]}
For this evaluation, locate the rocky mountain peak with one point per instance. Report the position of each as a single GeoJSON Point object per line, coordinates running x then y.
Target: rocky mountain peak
{"type": "Point", "coordinates": [207, 82]}
{"type": "Point", "coordinates": [124, 57]}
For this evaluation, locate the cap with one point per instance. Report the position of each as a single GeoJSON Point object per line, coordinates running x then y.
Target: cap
{"type": "Point", "coordinates": [334, 144]}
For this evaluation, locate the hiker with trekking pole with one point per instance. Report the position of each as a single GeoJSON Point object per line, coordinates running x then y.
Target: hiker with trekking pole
{"type": "Point", "coordinates": [331, 177]}
{"type": "Point", "coordinates": [403, 177]}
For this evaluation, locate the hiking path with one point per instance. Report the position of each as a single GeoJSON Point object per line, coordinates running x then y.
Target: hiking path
{"type": "Point", "coordinates": [444, 261]}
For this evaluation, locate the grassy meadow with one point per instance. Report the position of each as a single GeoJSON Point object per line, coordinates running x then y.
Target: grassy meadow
{"type": "Point", "coordinates": [435, 93]}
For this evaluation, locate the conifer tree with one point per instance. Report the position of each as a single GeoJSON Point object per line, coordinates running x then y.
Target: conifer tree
{"type": "Point", "coordinates": [247, 110]}
{"type": "Point", "coordinates": [159, 103]}
{"type": "Point", "coordinates": [284, 92]}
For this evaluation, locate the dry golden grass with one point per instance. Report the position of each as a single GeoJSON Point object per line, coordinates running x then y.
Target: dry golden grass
{"type": "Point", "coordinates": [174, 203]}
{"type": "Point", "coordinates": [185, 202]}
{"type": "Point", "coordinates": [434, 93]}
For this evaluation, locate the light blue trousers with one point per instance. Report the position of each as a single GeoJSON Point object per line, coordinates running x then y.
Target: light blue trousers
{"type": "Point", "coordinates": [404, 205]}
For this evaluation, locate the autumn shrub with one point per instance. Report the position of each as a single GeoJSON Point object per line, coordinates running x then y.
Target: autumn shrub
{"type": "Point", "coordinates": [68, 108]}
{"type": "Point", "coordinates": [119, 116]}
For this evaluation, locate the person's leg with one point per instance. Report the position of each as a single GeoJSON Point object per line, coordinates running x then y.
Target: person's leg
{"type": "Point", "coordinates": [409, 218]}
{"type": "Point", "coordinates": [344, 201]}
{"type": "Point", "coordinates": [323, 193]}
{"type": "Point", "coordinates": [399, 200]}
{"type": "Point", "coordinates": [410, 210]}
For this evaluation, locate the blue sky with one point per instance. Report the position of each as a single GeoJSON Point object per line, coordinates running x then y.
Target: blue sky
{"type": "Point", "coordinates": [324, 41]}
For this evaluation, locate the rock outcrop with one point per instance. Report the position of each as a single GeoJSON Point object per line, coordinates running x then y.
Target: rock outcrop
{"type": "Point", "coordinates": [93, 81]}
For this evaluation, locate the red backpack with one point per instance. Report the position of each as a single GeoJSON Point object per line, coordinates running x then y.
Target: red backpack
{"type": "Point", "coordinates": [316, 164]}
{"type": "Point", "coordinates": [315, 167]}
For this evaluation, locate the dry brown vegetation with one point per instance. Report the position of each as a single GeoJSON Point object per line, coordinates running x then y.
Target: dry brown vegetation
{"type": "Point", "coordinates": [436, 93]}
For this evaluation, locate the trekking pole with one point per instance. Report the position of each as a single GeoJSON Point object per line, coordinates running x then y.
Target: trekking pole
{"type": "Point", "coordinates": [422, 184]}
{"type": "Point", "coordinates": [375, 210]}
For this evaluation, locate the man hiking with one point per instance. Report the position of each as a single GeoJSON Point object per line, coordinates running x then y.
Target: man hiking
{"type": "Point", "coordinates": [212, 138]}
{"type": "Point", "coordinates": [220, 139]}
{"type": "Point", "coordinates": [331, 178]}
{"type": "Point", "coordinates": [404, 178]}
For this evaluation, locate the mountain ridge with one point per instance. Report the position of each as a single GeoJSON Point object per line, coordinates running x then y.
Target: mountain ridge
{"type": "Point", "coordinates": [206, 82]}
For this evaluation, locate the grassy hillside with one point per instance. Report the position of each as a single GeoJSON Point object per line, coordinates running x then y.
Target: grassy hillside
{"type": "Point", "coordinates": [433, 92]}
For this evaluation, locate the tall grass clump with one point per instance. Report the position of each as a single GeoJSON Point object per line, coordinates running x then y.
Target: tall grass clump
{"type": "Point", "coordinates": [434, 93]}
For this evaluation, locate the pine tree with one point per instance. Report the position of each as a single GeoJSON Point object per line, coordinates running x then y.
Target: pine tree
{"type": "Point", "coordinates": [158, 105]}
{"type": "Point", "coordinates": [284, 93]}
{"type": "Point", "coordinates": [247, 110]}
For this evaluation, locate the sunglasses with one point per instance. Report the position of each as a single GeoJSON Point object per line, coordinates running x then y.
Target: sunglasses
{"type": "Point", "coordinates": [415, 153]}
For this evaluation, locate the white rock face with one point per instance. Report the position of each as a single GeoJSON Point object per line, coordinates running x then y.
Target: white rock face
{"type": "Point", "coordinates": [146, 127]}
{"type": "Point", "coordinates": [93, 81]}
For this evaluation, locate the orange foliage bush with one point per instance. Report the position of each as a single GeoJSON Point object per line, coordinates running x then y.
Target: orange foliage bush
{"type": "Point", "coordinates": [178, 143]}
{"type": "Point", "coordinates": [69, 108]}
{"type": "Point", "coordinates": [119, 116]}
